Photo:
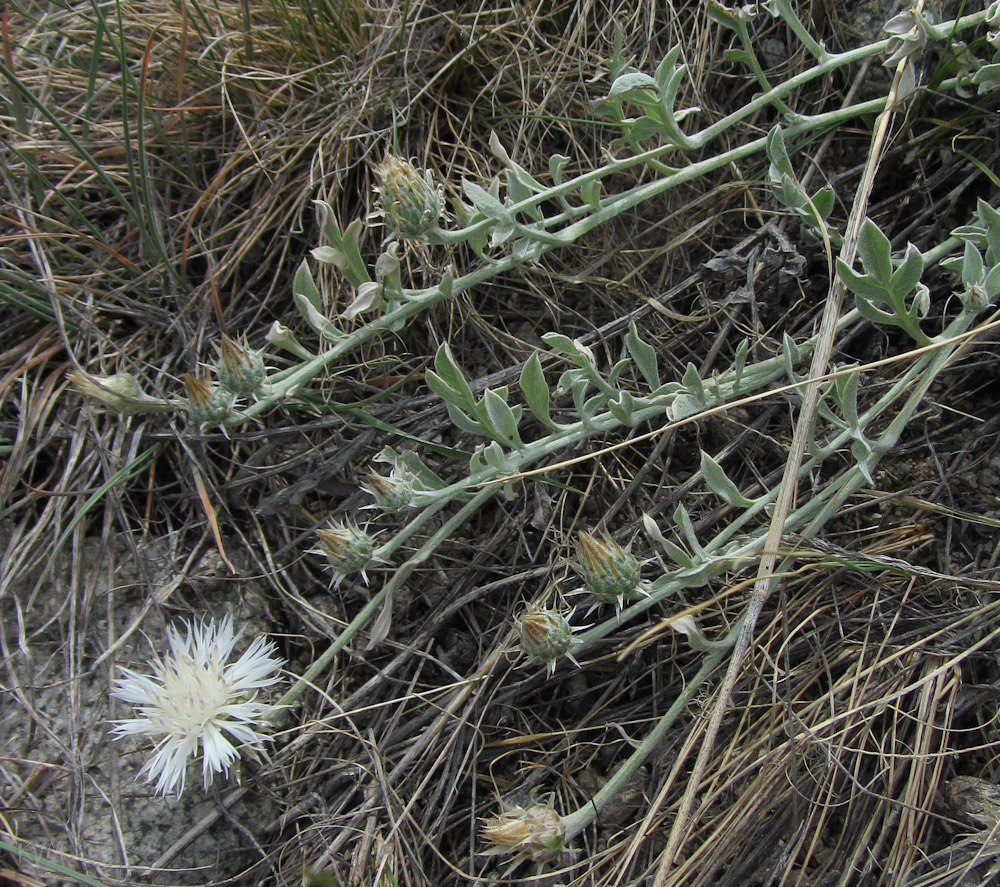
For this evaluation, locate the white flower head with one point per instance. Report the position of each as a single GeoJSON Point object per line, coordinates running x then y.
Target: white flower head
{"type": "Point", "coordinates": [195, 697]}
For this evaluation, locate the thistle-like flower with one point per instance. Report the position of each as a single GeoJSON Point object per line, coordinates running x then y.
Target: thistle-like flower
{"type": "Point", "coordinates": [534, 832]}
{"type": "Point", "coordinates": [241, 369]}
{"type": "Point", "coordinates": [195, 699]}
{"type": "Point", "coordinates": [411, 203]}
{"type": "Point", "coordinates": [394, 491]}
{"type": "Point", "coordinates": [207, 405]}
{"type": "Point", "coordinates": [546, 635]}
{"type": "Point", "coordinates": [347, 547]}
{"type": "Point", "coordinates": [609, 571]}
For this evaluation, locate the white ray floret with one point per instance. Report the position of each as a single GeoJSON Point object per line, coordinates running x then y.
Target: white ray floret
{"type": "Point", "coordinates": [196, 699]}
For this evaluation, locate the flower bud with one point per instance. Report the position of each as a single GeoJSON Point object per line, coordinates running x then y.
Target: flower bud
{"type": "Point", "coordinates": [975, 298]}
{"type": "Point", "coordinates": [347, 547]}
{"type": "Point", "coordinates": [609, 571]}
{"type": "Point", "coordinates": [282, 337]}
{"type": "Point", "coordinates": [393, 492]}
{"type": "Point", "coordinates": [411, 203]}
{"type": "Point", "coordinates": [535, 832]}
{"type": "Point", "coordinates": [119, 393]}
{"type": "Point", "coordinates": [545, 635]}
{"type": "Point", "coordinates": [241, 370]}
{"type": "Point", "coordinates": [207, 405]}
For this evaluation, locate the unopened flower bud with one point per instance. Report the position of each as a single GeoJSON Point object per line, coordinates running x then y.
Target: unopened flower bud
{"type": "Point", "coordinates": [282, 337]}
{"type": "Point", "coordinates": [535, 832]}
{"type": "Point", "coordinates": [411, 203]}
{"type": "Point", "coordinates": [975, 298]}
{"type": "Point", "coordinates": [393, 492]}
{"type": "Point", "coordinates": [241, 369]}
{"type": "Point", "coordinates": [545, 635]}
{"type": "Point", "coordinates": [119, 393]}
{"type": "Point", "coordinates": [609, 571]}
{"type": "Point", "coordinates": [207, 405]}
{"type": "Point", "coordinates": [347, 547]}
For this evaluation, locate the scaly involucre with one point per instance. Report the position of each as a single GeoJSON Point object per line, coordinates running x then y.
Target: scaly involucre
{"type": "Point", "coordinates": [195, 699]}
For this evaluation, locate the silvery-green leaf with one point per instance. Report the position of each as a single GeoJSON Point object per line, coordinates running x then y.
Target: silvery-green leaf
{"type": "Point", "coordinates": [536, 390]}
{"type": "Point", "coordinates": [447, 283]}
{"type": "Point", "coordinates": [622, 408]}
{"type": "Point", "coordinates": [692, 381]}
{"type": "Point", "coordinates": [823, 200]}
{"type": "Point", "coordinates": [644, 356]}
{"type": "Point", "coordinates": [494, 455]}
{"type": "Point", "coordinates": [448, 382]}
{"type": "Point", "coordinates": [617, 370]}
{"type": "Point", "coordinates": [845, 393]}
{"type": "Point", "coordinates": [499, 151]}
{"type": "Point", "coordinates": [869, 311]}
{"type": "Point", "coordinates": [684, 405]}
{"type": "Point", "coordinates": [518, 189]}
{"type": "Point", "coordinates": [476, 463]}
{"type": "Point", "coordinates": [640, 129]}
{"type": "Point", "coordinates": [525, 250]}
{"type": "Point", "coordinates": [683, 521]}
{"type": "Point", "coordinates": [860, 284]}
{"type": "Point", "coordinates": [678, 555]}
{"type": "Point", "coordinates": [316, 319]}
{"type": "Point", "coordinates": [719, 483]}
{"type": "Point", "coordinates": [790, 348]}
{"type": "Point", "coordinates": [992, 283]}
{"type": "Point", "coordinates": [556, 164]}
{"type": "Point", "coordinates": [973, 268]}
{"type": "Point", "coordinates": [463, 421]}
{"type": "Point", "coordinates": [787, 190]}
{"type": "Point", "coordinates": [667, 68]}
{"type": "Point", "coordinates": [382, 624]}
{"type": "Point", "coordinates": [875, 252]}
{"type": "Point", "coordinates": [592, 406]}
{"type": "Point", "coordinates": [303, 285]}
{"type": "Point", "coordinates": [579, 392]}
{"type": "Point", "coordinates": [787, 356]}
{"type": "Point", "coordinates": [501, 234]}
{"type": "Point", "coordinates": [591, 193]}
{"type": "Point", "coordinates": [577, 351]}
{"type": "Point", "coordinates": [568, 380]}
{"type": "Point", "coordinates": [739, 361]}
{"type": "Point", "coordinates": [907, 273]}
{"type": "Point", "coordinates": [626, 83]}
{"type": "Point", "coordinates": [824, 411]}
{"type": "Point", "coordinates": [990, 219]}
{"type": "Point", "coordinates": [501, 418]}
{"type": "Point", "coordinates": [861, 449]}
{"type": "Point", "coordinates": [368, 298]}
{"type": "Point", "coordinates": [329, 255]}
{"type": "Point", "coordinates": [477, 241]}
{"type": "Point", "coordinates": [486, 203]}
{"type": "Point", "coordinates": [776, 153]}
{"type": "Point", "coordinates": [346, 244]}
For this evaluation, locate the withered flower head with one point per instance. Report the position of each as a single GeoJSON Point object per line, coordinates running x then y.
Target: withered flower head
{"type": "Point", "coordinates": [534, 832]}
